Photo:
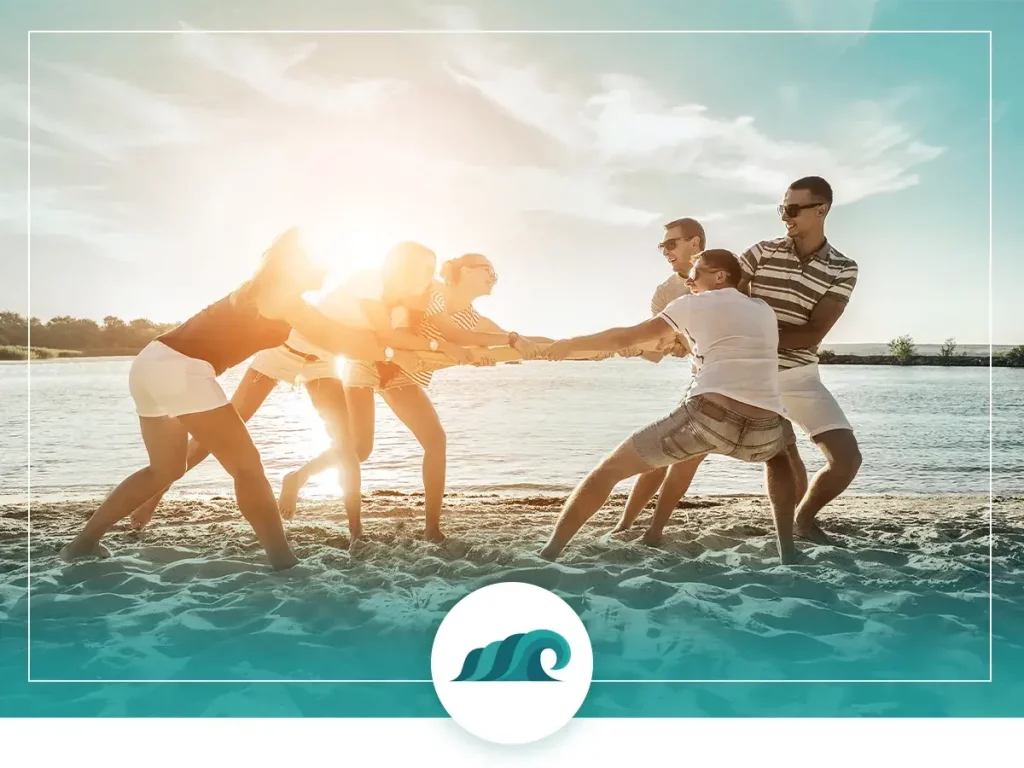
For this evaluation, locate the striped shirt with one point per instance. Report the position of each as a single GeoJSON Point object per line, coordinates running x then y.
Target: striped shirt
{"type": "Point", "coordinates": [793, 287]}
{"type": "Point", "coordinates": [467, 319]}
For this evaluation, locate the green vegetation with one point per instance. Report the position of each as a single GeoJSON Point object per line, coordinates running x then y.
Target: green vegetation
{"type": "Point", "coordinates": [948, 348]}
{"type": "Point", "coordinates": [73, 337]}
{"type": "Point", "coordinates": [1014, 357]}
{"type": "Point", "coordinates": [903, 349]}
{"type": "Point", "coordinates": [14, 352]}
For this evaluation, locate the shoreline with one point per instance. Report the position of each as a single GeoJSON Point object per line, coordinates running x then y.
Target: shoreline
{"type": "Point", "coordinates": [998, 359]}
{"type": "Point", "coordinates": [463, 513]}
{"type": "Point", "coordinates": [540, 498]}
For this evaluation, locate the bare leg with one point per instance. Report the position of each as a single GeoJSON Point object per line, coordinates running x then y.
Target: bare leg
{"type": "Point", "coordinates": [591, 494]}
{"type": "Point", "coordinates": [412, 405]}
{"type": "Point", "coordinates": [781, 485]}
{"type": "Point", "coordinates": [165, 440]}
{"type": "Point", "coordinates": [799, 470]}
{"type": "Point", "coordinates": [842, 462]}
{"type": "Point", "coordinates": [252, 390]}
{"type": "Point", "coordinates": [361, 415]}
{"type": "Point", "coordinates": [329, 398]}
{"type": "Point", "coordinates": [224, 432]}
{"type": "Point", "coordinates": [295, 480]}
{"type": "Point", "coordinates": [639, 497]}
{"type": "Point", "coordinates": [672, 491]}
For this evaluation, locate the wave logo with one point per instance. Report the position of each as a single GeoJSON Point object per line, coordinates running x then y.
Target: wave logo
{"type": "Point", "coordinates": [543, 641]}
{"type": "Point", "coordinates": [516, 658]}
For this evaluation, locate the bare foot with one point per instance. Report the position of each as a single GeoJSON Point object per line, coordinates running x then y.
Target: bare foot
{"type": "Point", "coordinates": [143, 514]}
{"type": "Point", "coordinates": [433, 535]}
{"type": "Point", "coordinates": [550, 553]}
{"type": "Point", "coordinates": [788, 554]}
{"type": "Point", "coordinates": [284, 561]}
{"type": "Point", "coordinates": [73, 551]}
{"type": "Point", "coordinates": [289, 497]}
{"type": "Point", "coordinates": [620, 528]}
{"type": "Point", "coordinates": [653, 538]}
{"type": "Point", "coordinates": [810, 531]}
{"type": "Point", "coordinates": [355, 533]}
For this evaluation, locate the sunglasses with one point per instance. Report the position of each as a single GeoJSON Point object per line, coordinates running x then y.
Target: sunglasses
{"type": "Point", "coordinates": [696, 272]}
{"type": "Point", "coordinates": [792, 210]}
{"type": "Point", "coordinates": [669, 245]}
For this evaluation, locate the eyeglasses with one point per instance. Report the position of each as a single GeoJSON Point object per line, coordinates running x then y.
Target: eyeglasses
{"type": "Point", "coordinates": [490, 270]}
{"type": "Point", "coordinates": [669, 245]}
{"type": "Point", "coordinates": [792, 210]}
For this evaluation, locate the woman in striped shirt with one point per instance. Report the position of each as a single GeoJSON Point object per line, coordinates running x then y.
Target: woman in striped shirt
{"type": "Point", "coordinates": [450, 319]}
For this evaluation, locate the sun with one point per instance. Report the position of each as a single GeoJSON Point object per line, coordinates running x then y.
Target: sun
{"type": "Point", "coordinates": [346, 246]}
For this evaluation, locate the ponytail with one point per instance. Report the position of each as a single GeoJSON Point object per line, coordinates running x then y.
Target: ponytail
{"type": "Point", "coordinates": [451, 270]}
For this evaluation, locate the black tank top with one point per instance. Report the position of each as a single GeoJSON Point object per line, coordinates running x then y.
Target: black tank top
{"type": "Point", "coordinates": [225, 334]}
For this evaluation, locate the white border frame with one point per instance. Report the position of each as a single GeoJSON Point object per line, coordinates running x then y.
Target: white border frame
{"type": "Point", "coordinates": [243, 681]}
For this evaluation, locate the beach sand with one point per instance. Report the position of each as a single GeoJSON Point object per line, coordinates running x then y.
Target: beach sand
{"type": "Point", "coordinates": [906, 596]}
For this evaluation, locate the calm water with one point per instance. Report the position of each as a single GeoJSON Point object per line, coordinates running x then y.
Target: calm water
{"type": "Point", "coordinates": [523, 428]}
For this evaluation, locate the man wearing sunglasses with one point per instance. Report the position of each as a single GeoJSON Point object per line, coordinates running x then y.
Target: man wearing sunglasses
{"type": "Point", "coordinates": [682, 241]}
{"type": "Point", "coordinates": [732, 407]}
{"type": "Point", "coordinates": [808, 283]}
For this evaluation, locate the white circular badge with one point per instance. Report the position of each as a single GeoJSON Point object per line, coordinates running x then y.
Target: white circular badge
{"type": "Point", "coordinates": [512, 663]}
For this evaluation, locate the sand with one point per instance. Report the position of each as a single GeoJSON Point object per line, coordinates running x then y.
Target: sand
{"type": "Point", "coordinates": [905, 596]}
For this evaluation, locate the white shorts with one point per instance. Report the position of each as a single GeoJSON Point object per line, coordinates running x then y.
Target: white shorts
{"type": "Point", "coordinates": [283, 365]}
{"type": "Point", "coordinates": [164, 382]}
{"type": "Point", "coordinates": [808, 403]}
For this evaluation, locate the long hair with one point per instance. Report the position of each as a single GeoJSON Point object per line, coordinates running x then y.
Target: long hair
{"type": "Point", "coordinates": [275, 264]}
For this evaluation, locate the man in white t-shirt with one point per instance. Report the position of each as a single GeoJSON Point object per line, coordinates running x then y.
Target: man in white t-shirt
{"type": "Point", "coordinates": [733, 406]}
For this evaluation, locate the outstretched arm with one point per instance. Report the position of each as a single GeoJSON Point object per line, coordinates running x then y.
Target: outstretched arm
{"type": "Point", "coordinates": [353, 343]}
{"type": "Point", "coordinates": [489, 326]}
{"type": "Point", "coordinates": [482, 336]}
{"type": "Point", "coordinates": [612, 340]}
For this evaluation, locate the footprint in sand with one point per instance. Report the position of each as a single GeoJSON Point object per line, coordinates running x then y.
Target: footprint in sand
{"type": "Point", "coordinates": [643, 592]}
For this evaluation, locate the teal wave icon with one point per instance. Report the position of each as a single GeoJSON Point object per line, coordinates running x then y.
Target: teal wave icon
{"type": "Point", "coordinates": [515, 659]}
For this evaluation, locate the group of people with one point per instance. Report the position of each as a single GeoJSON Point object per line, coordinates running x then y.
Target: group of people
{"type": "Point", "coordinates": [751, 326]}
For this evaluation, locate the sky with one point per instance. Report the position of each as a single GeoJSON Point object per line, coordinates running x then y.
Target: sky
{"type": "Point", "coordinates": [163, 164]}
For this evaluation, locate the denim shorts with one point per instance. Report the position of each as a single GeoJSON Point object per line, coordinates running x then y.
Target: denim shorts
{"type": "Point", "coordinates": [699, 426]}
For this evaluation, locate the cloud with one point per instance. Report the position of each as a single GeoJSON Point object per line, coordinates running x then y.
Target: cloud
{"type": "Point", "coordinates": [66, 212]}
{"type": "Point", "coordinates": [103, 115]}
{"type": "Point", "coordinates": [270, 70]}
{"type": "Point", "coordinates": [626, 126]}
{"type": "Point", "coordinates": [849, 14]}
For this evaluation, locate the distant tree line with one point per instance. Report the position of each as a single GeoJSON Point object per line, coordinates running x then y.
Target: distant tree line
{"type": "Point", "coordinates": [903, 351]}
{"type": "Point", "coordinates": [85, 337]}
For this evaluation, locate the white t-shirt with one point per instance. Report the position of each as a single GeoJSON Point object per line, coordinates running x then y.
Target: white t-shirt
{"type": "Point", "coordinates": [735, 343]}
{"type": "Point", "coordinates": [345, 305]}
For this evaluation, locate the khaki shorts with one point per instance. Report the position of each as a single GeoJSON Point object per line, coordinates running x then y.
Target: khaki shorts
{"type": "Point", "coordinates": [360, 373]}
{"type": "Point", "coordinates": [699, 426]}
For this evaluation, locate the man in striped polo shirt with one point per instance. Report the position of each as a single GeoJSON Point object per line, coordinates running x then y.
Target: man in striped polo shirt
{"type": "Point", "coordinates": [808, 283]}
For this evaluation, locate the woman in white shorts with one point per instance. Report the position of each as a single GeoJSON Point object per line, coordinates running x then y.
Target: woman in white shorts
{"type": "Point", "coordinates": [450, 319]}
{"type": "Point", "coordinates": [173, 382]}
{"type": "Point", "coordinates": [384, 300]}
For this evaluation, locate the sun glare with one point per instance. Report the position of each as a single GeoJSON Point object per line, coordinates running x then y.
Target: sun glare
{"type": "Point", "coordinates": [345, 247]}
